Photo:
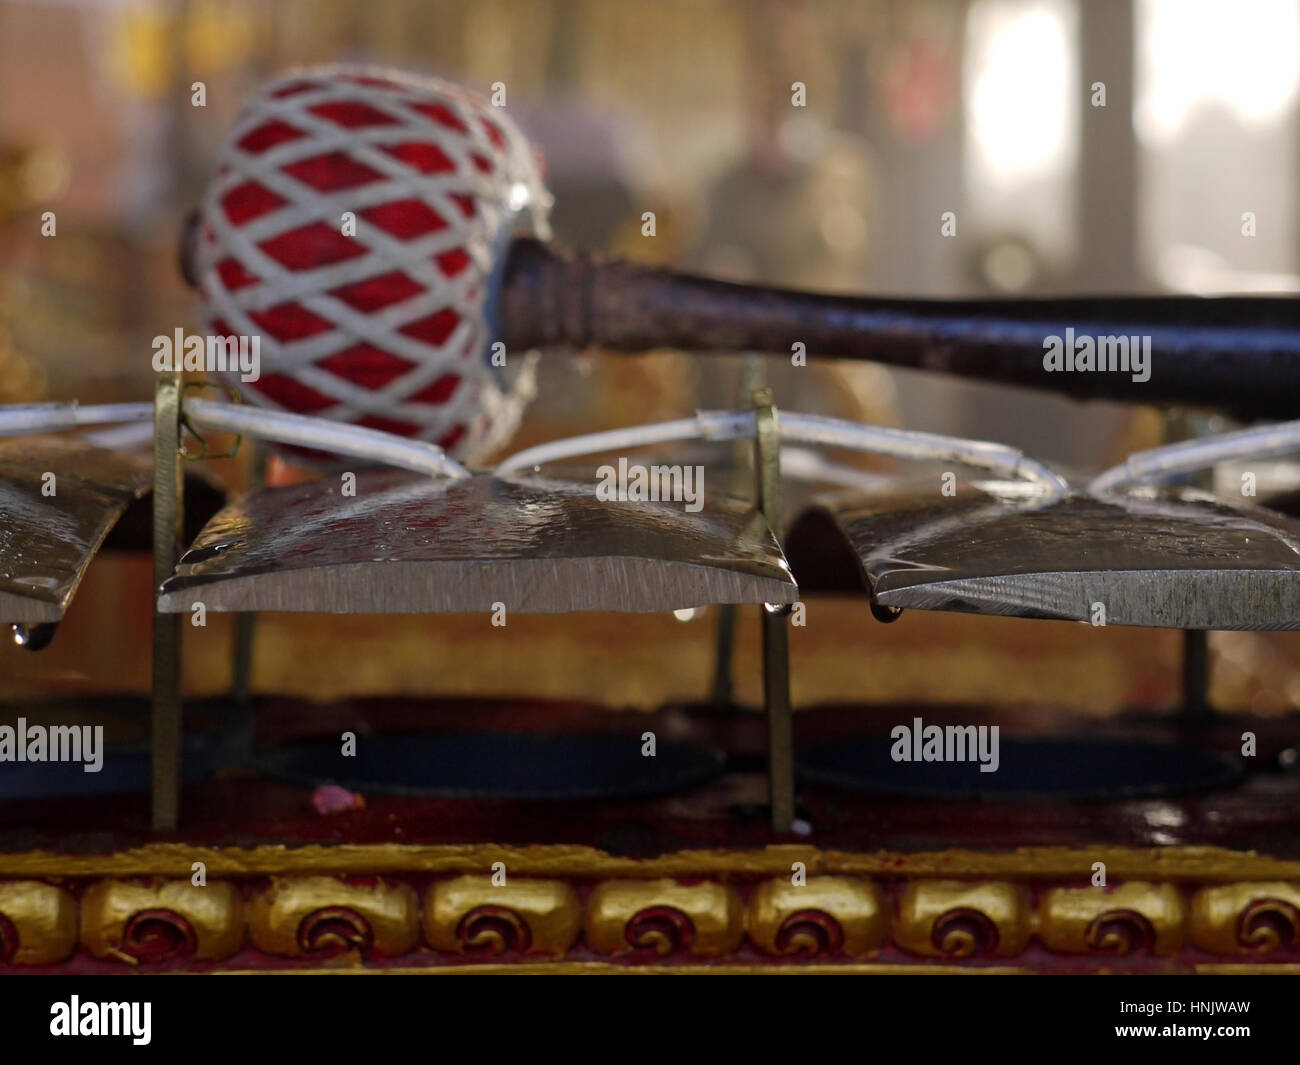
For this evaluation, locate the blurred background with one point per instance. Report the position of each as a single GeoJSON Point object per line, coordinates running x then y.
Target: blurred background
{"type": "Point", "coordinates": [1091, 146]}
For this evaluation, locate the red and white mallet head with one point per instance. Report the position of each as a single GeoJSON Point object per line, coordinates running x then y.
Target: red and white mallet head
{"type": "Point", "coordinates": [357, 223]}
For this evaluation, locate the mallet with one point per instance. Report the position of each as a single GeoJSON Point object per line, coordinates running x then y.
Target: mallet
{"type": "Point", "coordinates": [366, 225]}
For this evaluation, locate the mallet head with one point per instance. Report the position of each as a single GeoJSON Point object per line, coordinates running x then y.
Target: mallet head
{"type": "Point", "coordinates": [357, 224]}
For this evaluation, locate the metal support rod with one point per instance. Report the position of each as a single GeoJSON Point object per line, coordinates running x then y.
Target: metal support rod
{"type": "Point", "coordinates": [1196, 677]}
{"type": "Point", "coordinates": [1195, 708]}
{"type": "Point", "coordinates": [241, 659]}
{"type": "Point", "coordinates": [752, 372]}
{"type": "Point", "coordinates": [168, 527]}
{"type": "Point", "coordinates": [776, 632]}
{"type": "Point", "coordinates": [241, 664]}
{"type": "Point", "coordinates": [723, 695]}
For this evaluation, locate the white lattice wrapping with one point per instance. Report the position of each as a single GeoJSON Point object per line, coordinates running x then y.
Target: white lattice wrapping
{"type": "Point", "coordinates": [387, 328]}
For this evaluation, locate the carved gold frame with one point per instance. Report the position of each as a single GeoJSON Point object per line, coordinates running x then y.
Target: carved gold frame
{"type": "Point", "coordinates": [561, 908]}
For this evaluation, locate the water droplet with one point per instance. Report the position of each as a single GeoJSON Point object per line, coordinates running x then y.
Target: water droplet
{"type": "Point", "coordinates": [34, 637]}
{"type": "Point", "coordinates": [886, 615]}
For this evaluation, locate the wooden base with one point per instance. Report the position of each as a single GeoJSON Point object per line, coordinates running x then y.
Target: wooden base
{"type": "Point", "coordinates": [256, 879]}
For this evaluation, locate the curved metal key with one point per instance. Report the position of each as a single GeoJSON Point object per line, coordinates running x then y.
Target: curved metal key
{"type": "Point", "coordinates": [1167, 558]}
{"type": "Point", "coordinates": [59, 498]}
{"type": "Point", "coordinates": [410, 544]}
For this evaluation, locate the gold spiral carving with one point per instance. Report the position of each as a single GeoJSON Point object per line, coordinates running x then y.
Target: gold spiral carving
{"type": "Point", "coordinates": [161, 921]}
{"type": "Point", "coordinates": [810, 933]}
{"type": "Point", "coordinates": [665, 930]}
{"type": "Point", "coordinates": [39, 923]}
{"type": "Point", "coordinates": [1267, 924]}
{"type": "Point", "coordinates": [301, 916]}
{"type": "Point", "coordinates": [964, 932]}
{"type": "Point", "coordinates": [494, 929]}
{"type": "Point", "coordinates": [1258, 919]}
{"type": "Point", "coordinates": [823, 917]}
{"type": "Point", "coordinates": [333, 930]}
{"type": "Point", "coordinates": [1120, 932]}
{"type": "Point", "coordinates": [1128, 918]}
{"type": "Point", "coordinates": [701, 919]}
{"type": "Point", "coordinates": [960, 919]}
{"type": "Point", "coordinates": [467, 914]}
{"type": "Point", "coordinates": [153, 936]}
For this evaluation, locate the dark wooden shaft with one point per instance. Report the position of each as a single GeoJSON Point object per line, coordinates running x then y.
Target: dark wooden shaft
{"type": "Point", "coordinates": [1240, 354]}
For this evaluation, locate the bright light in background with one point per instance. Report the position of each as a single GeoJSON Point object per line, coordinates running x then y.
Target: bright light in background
{"type": "Point", "coordinates": [1020, 80]}
{"type": "Point", "coordinates": [1243, 55]}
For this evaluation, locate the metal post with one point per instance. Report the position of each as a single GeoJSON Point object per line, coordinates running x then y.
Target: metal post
{"type": "Point", "coordinates": [776, 633]}
{"type": "Point", "coordinates": [241, 664]}
{"type": "Point", "coordinates": [241, 659]}
{"type": "Point", "coordinates": [742, 478]}
{"type": "Point", "coordinates": [1195, 708]}
{"type": "Point", "coordinates": [723, 696]}
{"type": "Point", "coordinates": [1196, 677]}
{"type": "Point", "coordinates": [168, 527]}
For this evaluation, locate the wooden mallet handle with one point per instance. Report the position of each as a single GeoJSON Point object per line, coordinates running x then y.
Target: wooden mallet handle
{"type": "Point", "coordinates": [1240, 354]}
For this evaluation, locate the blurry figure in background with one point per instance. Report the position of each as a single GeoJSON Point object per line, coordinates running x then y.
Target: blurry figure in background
{"type": "Point", "coordinates": [794, 212]}
{"type": "Point", "coordinates": [597, 207]}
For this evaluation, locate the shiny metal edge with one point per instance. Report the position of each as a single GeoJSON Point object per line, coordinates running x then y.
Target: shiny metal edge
{"type": "Point", "coordinates": [526, 586]}
{"type": "Point", "coordinates": [93, 489]}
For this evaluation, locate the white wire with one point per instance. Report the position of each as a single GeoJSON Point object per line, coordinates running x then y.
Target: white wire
{"type": "Point", "coordinates": [22, 418]}
{"type": "Point", "coordinates": [388, 449]}
{"type": "Point", "coordinates": [805, 465]}
{"type": "Point", "coordinates": [918, 446]}
{"type": "Point", "coordinates": [300, 430]}
{"type": "Point", "coordinates": [799, 429]}
{"type": "Point", "coordinates": [706, 425]}
{"type": "Point", "coordinates": [120, 437]}
{"type": "Point", "coordinates": [1188, 456]}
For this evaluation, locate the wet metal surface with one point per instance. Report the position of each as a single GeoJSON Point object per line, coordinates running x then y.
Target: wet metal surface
{"type": "Point", "coordinates": [409, 544]}
{"type": "Point", "coordinates": [1170, 558]}
{"type": "Point", "coordinates": [47, 541]}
